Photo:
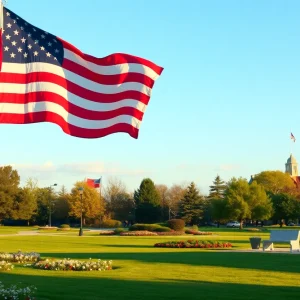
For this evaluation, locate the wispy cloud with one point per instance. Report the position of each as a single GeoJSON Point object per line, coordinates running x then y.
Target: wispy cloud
{"type": "Point", "coordinates": [215, 168]}
{"type": "Point", "coordinates": [47, 169]}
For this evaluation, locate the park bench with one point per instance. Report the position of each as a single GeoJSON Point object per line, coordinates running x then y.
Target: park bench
{"type": "Point", "coordinates": [283, 236]}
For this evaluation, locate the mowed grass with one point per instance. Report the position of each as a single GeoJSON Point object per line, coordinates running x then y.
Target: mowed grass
{"type": "Point", "coordinates": [142, 271]}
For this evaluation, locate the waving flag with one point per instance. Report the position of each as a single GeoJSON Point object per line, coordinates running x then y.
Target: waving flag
{"type": "Point", "coordinates": [293, 138]}
{"type": "Point", "coordinates": [94, 183]}
{"type": "Point", "coordinates": [45, 79]}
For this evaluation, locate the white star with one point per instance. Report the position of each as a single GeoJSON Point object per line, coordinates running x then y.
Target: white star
{"type": "Point", "coordinates": [14, 43]}
{"type": "Point", "coordinates": [34, 29]}
{"type": "Point", "coordinates": [45, 32]}
{"type": "Point", "coordinates": [55, 58]}
{"type": "Point", "coordinates": [56, 51]}
{"type": "Point", "coordinates": [19, 49]}
{"type": "Point", "coordinates": [8, 37]}
{"type": "Point", "coordinates": [8, 25]}
{"type": "Point", "coordinates": [54, 40]}
{"type": "Point", "coordinates": [12, 55]}
{"type": "Point", "coordinates": [42, 48]}
{"type": "Point", "coordinates": [8, 14]}
{"type": "Point", "coordinates": [49, 44]}
{"type": "Point", "coordinates": [16, 32]}
{"type": "Point", "coordinates": [35, 53]}
{"type": "Point", "coordinates": [22, 28]}
{"type": "Point", "coordinates": [36, 41]}
{"type": "Point", "coordinates": [17, 18]}
{"type": "Point", "coordinates": [29, 34]}
{"type": "Point", "coordinates": [25, 54]}
{"type": "Point", "coordinates": [43, 36]}
{"type": "Point", "coordinates": [25, 24]}
{"type": "Point", "coordinates": [29, 46]}
{"type": "Point", "coordinates": [48, 54]}
{"type": "Point", "coordinates": [6, 48]}
{"type": "Point", "coordinates": [15, 21]}
{"type": "Point", "coordinates": [23, 40]}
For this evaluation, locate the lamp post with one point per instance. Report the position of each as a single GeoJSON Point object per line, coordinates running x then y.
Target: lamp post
{"type": "Point", "coordinates": [50, 211]}
{"type": "Point", "coordinates": [81, 193]}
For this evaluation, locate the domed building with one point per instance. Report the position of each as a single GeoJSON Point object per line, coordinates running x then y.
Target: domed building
{"type": "Point", "coordinates": [291, 167]}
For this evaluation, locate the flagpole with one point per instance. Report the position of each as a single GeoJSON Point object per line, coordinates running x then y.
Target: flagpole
{"type": "Point", "coordinates": [1, 14]}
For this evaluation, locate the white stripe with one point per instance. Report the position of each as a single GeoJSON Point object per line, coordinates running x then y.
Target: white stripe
{"type": "Point", "coordinates": [1, 14]}
{"type": "Point", "coordinates": [69, 118]}
{"type": "Point", "coordinates": [75, 78]}
{"type": "Point", "coordinates": [113, 69]}
{"type": "Point", "coordinates": [13, 88]}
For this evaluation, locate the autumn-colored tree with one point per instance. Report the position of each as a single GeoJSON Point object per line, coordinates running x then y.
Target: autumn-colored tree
{"type": "Point", "coordinates": [89, 203]}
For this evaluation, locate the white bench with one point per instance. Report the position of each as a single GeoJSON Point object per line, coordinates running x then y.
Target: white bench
{"type": "Point", "coordinates": [283, 236]}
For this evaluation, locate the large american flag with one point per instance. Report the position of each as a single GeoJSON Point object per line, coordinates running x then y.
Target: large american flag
{"type": "Point", "coordinates": [46, 79]}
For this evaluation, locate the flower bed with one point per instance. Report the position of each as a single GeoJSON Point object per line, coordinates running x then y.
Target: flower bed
{"type": "Point", "coordinates": [20, 257]}
{"type": "Point", "coordinates": [138, 233]}
{"type": "Point", "coordinates": [15, 292]}
{"type": "Point", "coordinates": [194, 244]}
{"type": "Point", "coordinates": [196, 232]}
{"type": "Point", "coordinates": [74, 265]}
{"type": "Point", "coordinates": [171, 233]}
{"type": "Point", "coordinates": [107, 232]}
{"type": "Point", "coordinates": [5, 266]}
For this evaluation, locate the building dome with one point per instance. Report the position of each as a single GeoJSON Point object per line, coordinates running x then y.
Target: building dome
{"type": "Point", "coordinates": [291, 160]}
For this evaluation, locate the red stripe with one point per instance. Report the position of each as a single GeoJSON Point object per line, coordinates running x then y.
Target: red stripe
{"type": "Point", "coordinates": [113, 59]}
{"type": "Point", "coordinates": [72, 87]}
{"type": "Point", "coordinates": [69, 107]}
{"type": "Point", "coordinates": [66, 127]}
{"type": "Point", "coordinates": [107, 79]}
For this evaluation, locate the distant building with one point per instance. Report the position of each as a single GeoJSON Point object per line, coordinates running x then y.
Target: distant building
{"type": "Point", "coordinates": [291, 167]}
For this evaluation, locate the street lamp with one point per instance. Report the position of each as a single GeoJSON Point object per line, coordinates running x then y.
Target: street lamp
{"type": "Point", "coordinates": [50, 212]}
{"type": "Point", "coordinates": [81, 193]}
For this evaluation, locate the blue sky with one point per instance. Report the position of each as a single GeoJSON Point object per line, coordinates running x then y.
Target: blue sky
{"type": "Point", "coordinates": [225, 103]}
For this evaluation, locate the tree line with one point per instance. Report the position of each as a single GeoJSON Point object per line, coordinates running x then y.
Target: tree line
{"type": "Point", "coordinates": [270, 195]}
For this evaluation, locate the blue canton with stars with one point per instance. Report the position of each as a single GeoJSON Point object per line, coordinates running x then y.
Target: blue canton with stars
{"type": "Point", "coordinates": [25, 43]}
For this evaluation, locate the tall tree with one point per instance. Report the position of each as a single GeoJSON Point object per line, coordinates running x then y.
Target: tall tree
{"type": "Point", "coordinates": [90, 205]}
{"type": "Point", "coordinates": [147, 202]}
{"type": "Point", "coordinates": [9, 183]}
{"type": "Point", "coordinates": [217, 189]}
{"type": "Point", "coordinates": [275, 182]}
{"type": "Point", "coordinates": [192, 205]}
{"type": "Point", "coordinates": [61, 206]}
{"type": "Point", "coordinates": [175, 194]}
{"type": "Point", "coordinates": [25, 206]}
{"type": "Point", "coordinates": [162, 191]}
{"type": "Point", "coordinates": [246, 201]}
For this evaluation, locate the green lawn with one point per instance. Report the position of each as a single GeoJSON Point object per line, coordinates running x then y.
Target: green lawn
{"type": "Point", "coordinates": [144, 272]}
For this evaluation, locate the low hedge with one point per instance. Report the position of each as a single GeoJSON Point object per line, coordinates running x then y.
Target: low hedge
{"type": "Point", "coordinates": [149, 227]}
{"type": "Point", "coordinates": [194, 244]}
{"type": "Point", "coordinates": [111, 224]}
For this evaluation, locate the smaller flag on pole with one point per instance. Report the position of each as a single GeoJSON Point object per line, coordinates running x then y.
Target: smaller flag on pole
{"type": "Point", "coordinates": [293, 138]}
{"type": "Point", "coordinates": [93, 183]}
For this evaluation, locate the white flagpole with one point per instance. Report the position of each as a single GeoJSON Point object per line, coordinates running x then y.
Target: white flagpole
{"type": "Point", "coordinates": [1, 13]}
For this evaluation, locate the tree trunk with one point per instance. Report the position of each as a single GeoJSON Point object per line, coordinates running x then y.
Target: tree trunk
{"type": "Point", "coordinates": [241, 224]}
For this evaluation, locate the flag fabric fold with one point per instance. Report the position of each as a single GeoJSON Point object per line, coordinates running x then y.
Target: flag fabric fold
{"type": "Point", "coordinates": [46, 79]}
{"type": "Point", "coordinates": [93, 183]}
{"type": "Point", "coordinates": [293, 138]}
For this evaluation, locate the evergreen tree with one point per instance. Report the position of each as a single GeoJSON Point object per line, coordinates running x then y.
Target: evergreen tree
{"type": "Point", "coordinates": [192, 205]}
{"type": "Point", "coordinates": [61, 206]}
{"type": "Point", "coordinates": [216, 191]}
{"type": "Point", "coordinates": [147, 202]}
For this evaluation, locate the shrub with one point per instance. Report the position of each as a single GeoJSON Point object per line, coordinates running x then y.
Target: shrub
{"type": "Point", "coordinates": [111, 224]}
{"type": "Point", "coordinates": [162, 229]}
{"type": "Point", "coordinates": [196, 232]}
{"type": "Point", "coordinates": [195, 227]}
{"type": "Point", "coordinates": [149, 227]}
{"type": "Point", "coordinates": [138, 233]}
{"type": "Point", "coordinates": [119, 230]}
{"type": "Point", "coordinates": [176, 224]}
{"type": "Point", "coordinates": [194, 244]}
{"type": "Point", "coordinates": [5, 266]}
{"type": "Point", "coordinates": [64, 226]}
